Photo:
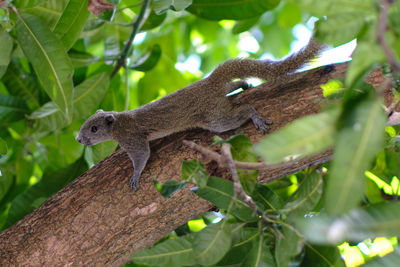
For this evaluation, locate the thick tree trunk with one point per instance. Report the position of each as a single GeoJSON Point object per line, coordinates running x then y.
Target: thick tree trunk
{"type": "Point", "coordinates": [97, 220]}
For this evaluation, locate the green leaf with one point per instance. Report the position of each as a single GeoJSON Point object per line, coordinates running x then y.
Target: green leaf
{"type": "Point", "coordinates": [27, 3]}
{"type": "Point", "coordinates": [96, 153]}
{"type": "Point", "coordinates": [49, 59]}
{"type": "Point", "coordinates": [347, 24]}
{"type": "Point", "coordinates": [3, 147]}
{"type": "Point", "coordinates": [303, 137]}
{"type": "Point", "coordinates": [153, 21]}
{"type": "Point", "coordinates": [211, 244]}
{"type": "Point", "coordinates": [87, 97]}
{"type": "Point", "coordinates": [11, 108]}
{"type": "Point", "coordinates": [220, 192]}
{"type": "Point", "coordinates": [229, 9]}
{"type": "Point", "coordinates": [387, 165]}
{"type": "Point", "coordinates": [288, 245]}
{"type": "Point", "coordinates": [148, 61]}
{"type": "Point", "coordinates": [168, 188]}
{"type": "Point", "coordinates": [307, 195]}
{"type": "Point", "coordinates": [22, 84]}
{"type": "Point", "coordinates": [49, 12]}
{"type": "Point", "coordinates": [240, 246]}
{"type": "Point", "coordinates": [322, 256]}
{"type": "Point", "coordinates": [259, 256]}
{"type": "Point", "coordinates": [6, 180]}
{"type": "Point", "coordinates": [81, 59]}
{"type": "Point", "coordinates": [380, 220]}
{"type": "Point", "coordinates": [51, 182]}
{"type": "Point", "coordinates": [244, 25]}
{"type": "Point", "coordinates": [360, 138]}
{"type": "Point", "coordinates": [161, 6]}
{"type": "Point", "coordinates": [5, 52]}
{"type": "Point", "coordinates": [266, 199]}
{"type": "Point", "coordinates": [390, 260]}
{"type": "Point", "coordinates": [194, 171]}
{"type": "Point", "coordinates": [326, 8]}
{"type": "Point", "coordinates": [360, 64]}
{"type": "Point", "coordinates": [173, 252]}
{"type": "Point", "coordinates": [71, 22]}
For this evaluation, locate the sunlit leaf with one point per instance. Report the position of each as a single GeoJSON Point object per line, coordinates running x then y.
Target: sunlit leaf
{"type": "Point", "coordinates": [302, 137]}
{"type": "Point", "coordinates": [381, 220]}
{"type": "Point", "coordinates": [49, 59]}
{"type": "Point", "coordinates": [98, 152]}
{"type": "Point", "coordinates": [390, 260]}
{"type": "Point", "coordinates": [195, 172]}
{"type": "Point", "coordinates": [168, 188]}
{"type": "Point", "coordinates": [360, 138]}
{"type": "Point", "coordinates": [148, 61]}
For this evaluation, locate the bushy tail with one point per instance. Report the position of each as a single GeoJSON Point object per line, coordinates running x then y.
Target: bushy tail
{"type": "Point", "coordinates": [265, 69]}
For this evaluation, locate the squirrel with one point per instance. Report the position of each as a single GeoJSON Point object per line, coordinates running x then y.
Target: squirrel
{"type": "Point", "coordinates": [203, 104]}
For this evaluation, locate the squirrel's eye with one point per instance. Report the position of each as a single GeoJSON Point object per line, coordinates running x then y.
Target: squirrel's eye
{"type": "Point", "coordinates": [93, 129]}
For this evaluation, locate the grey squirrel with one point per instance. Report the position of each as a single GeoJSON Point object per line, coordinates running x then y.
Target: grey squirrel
{"type": "Point", "coordinates": [203, 104]}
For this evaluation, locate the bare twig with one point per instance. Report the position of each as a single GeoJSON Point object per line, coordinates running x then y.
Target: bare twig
{"type": "Point", "coordinates": [381, 32]}
{"type": "Point", "coordinates": [237, 186]}
{"type": "Point", "coordinates": [139, 20]}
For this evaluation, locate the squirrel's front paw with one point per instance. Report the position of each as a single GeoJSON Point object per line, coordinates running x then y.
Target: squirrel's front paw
{"type": "Point", "coordinates": [134, 183]}
{"type": "Point", "coordinates": [262, 124]}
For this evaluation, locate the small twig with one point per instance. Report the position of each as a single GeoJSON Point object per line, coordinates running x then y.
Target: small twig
{"type": "Point", "coordinates": [141, 17]}
{"type": "Point", "coordinates": [237, 186]}
{"type": "Point", "coordinates": [380, 35]}
{"type": "Point", "coordinates": [238, 164]}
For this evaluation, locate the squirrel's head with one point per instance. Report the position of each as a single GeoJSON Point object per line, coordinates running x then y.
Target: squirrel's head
{"type": "Point", "coordinates": [98, 128]}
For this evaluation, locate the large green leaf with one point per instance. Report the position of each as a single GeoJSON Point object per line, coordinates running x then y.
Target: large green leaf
{"type": "Point", "coordinates": [173, 252]}
{"type": "Point", "coordinates": [288, 245]}
{"type": "Point", "coordinates": [12, 108]}
{"type": "Point", "coordinates": [71, 22]}
{"type": "Point", "coordinates": [220, 192]}
{"type": "Point", "coordinates": [48, 11]}
{"type": "Point", "coordinates": [231, 9]}
{"type": "Point", "coordinates": [360, 138]}
{"type": "Point", "coordinates": [321, 256]}
{"type": "Point", "coordinates": [49, 59]}
{"type": "Point", "coordinates": [21, 84]}
{"type": "Point", "coordinates": [266, 199]}
{"type": "Point", "coordinates": [51, 182]}
{"type": "Point", "coordinates": [5, 51]}
{"type": "Point", "coordinates": [307, 195]}
{"type": "Point", "coordinates": [381, 220]}
{"type": "Point", "coordinates": [96, 153]}
{"type": "Point", "coordinates": [81, 59]}
{"type": "Point", "coordinates": [194, 171]}
{"type": "Point", "coordinates": [6, 180]}
{"type": "Point", "coordinates": [211, 243]}
{"type": "Point", "coordinates": [303, 137]}
{"type": "Point", "coordinates": [28, 3]}
{"type": "Point", "coordinates": [240, 246]}
{"type": "Point", "coordinates": [259, 256]}
{"type": "Point", "coordinates": [87, 97]}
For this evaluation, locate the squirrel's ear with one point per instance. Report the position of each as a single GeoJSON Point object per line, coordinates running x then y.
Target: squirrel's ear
{"type": "Point", "coordinates": [99, 110]}
{"type": "Point", "coordinates": [110, 119]}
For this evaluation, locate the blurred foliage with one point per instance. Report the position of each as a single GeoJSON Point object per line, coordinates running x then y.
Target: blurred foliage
{"type": "Point", "coordinates": [55, 64]}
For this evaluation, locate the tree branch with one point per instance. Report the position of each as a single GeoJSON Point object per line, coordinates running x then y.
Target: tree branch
{"type": "Point", "coordinates": [381, 32]}
{"type": "Point", "coordinates": [141, 17]}
{"type": "Point", "coordinates": [97, 220]}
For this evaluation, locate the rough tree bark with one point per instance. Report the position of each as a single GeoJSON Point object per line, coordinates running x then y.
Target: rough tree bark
{"type": "Point", "coordinates": [97, 220]}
